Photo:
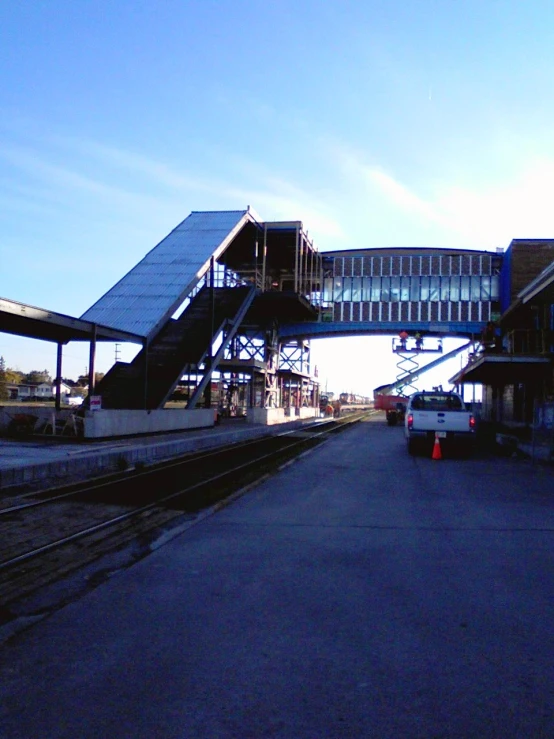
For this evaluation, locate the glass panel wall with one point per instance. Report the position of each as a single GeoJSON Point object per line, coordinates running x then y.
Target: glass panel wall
{"type": "Point", "coordinates": [414, 289]}
{"type": "Point", "coordinates": [495, 287]}
{"type": "Point", "coordinates": [485, 288]}
{"type": "Point", "coordinates": [424, 289]}
{"type": "Point", "coordinates": [347, 289]}
{"type": "Point", "coordinates": [356, 289]}
{"type": "Point", "coordinates": [454, 289]}
{"type": "Point", "coordinates": [394, 289]}
{"type": "Point", "coordinates": [375, 289]}
{"type": "Point", "coordinates": [405, 288]}
{"type": "Point", "coordinates": [434, 289]}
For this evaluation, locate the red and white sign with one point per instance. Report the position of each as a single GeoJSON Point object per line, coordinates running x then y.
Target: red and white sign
{"type": "Point", "coordinates": [96, 402]}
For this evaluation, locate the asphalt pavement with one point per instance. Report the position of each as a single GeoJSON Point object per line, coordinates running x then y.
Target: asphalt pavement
{"type": "Point", "coordinates": [359, 592]}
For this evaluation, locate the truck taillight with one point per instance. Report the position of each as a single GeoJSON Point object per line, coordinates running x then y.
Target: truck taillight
{"type": "Point", "coordinates": [472, 423]}
{"type": "Point", "coordinates": [410, 420]}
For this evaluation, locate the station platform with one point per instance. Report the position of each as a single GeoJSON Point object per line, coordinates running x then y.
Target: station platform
{"type": "Point", "coordinates": [39, 463]}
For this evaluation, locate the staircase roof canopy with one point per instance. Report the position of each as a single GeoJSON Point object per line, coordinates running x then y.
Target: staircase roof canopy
{"type": "Point", "coordinates": [153, 290]}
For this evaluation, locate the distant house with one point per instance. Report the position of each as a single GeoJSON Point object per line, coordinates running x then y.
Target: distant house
{"type": "Point", "coordinates": [42, 391]}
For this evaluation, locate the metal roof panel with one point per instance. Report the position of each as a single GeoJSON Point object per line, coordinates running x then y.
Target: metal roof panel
{"type": "Point", "coordinates": [155, 287]}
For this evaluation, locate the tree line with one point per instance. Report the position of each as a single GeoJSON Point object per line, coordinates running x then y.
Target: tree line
{"type": "Point", "coordinates": [9, 376]}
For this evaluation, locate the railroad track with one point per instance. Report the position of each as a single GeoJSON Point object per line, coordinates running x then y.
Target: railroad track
{"type": "Point", "coordinates": [45, 536]}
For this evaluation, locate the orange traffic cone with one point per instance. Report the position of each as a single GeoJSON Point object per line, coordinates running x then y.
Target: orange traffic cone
{"type": "Point", "coordinates": [436, 449]}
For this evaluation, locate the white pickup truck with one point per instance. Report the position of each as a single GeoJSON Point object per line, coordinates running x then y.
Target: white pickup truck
{"type": "Point", "coordinates": [438, 414]}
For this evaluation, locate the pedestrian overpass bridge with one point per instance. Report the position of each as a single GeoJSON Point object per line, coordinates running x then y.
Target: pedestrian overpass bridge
{"type": "Point", "coordinates": [225, 292]}
{"type": "Point", "coordinates": [386, 290]}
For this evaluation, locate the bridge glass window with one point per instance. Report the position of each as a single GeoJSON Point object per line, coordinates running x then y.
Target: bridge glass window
{"type": "Point", "coordinates": [394, 289]}
{"type": "Point", "coordinates": [475, 288]}
{"type": "Point", "coordinates": [495, 288]}
{"type": "Point", "coordinates": [375, 289]}
{"type": "Point", "coordinates": [328, 289]}
{"type": "Point", "coordinates": [445, 288]}
{"type": "Point", "coordinates": [366, 288]}
{"type": "Point", "coordinates": [337, 290]}
{"type": "Point", "coordinates": [405, 289]}
{"type": "Point", "coordinates": [414, 289]}
{"type": "Point", "coordinates": [464, 289]}
{"type": "Point", "coordinates": [485, 287]}
{"type": "Point", "coordinates": [385, 289]}
{"type": "Point", "coordinates": [424, 289]}
{"type": "Point", "coordinates": [347, 289]}
{"type": "Point", "coordinates": [454, 289]}
{"type": "Point", "coordinates": [356, 289]}
{"type": "Point", "coordinates": [434, 289]}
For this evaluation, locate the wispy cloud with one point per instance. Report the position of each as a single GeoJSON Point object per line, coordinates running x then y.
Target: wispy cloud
{"type": "Point", "coordinates": [484, 215]}
{"type": "Point", "coordinates": [400, 195]}
{"type": "Point", "coordinates": [376, 180]}
{"type": "Point", "coordinates": [63, 177]}
{"type": "Point", "coordinates": [144, 185]}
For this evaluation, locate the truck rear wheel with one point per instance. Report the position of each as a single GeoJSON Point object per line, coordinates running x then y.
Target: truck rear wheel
{"type": "Point", "coordinates": [411, 447]}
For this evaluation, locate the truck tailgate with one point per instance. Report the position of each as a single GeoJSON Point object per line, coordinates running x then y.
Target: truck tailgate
{"type": "Point", "coordinates": [441, 421]}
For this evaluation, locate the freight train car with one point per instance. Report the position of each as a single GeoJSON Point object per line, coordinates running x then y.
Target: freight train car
{"type": "Point", "coordinates": [393, 405]}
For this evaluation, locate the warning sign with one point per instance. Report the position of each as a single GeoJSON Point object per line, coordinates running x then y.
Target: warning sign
{"type": "Point", "coordinates": [96, 402]}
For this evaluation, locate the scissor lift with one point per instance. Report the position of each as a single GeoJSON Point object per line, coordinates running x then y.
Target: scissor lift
{"type": "Point", "coordinates": [408, 349]}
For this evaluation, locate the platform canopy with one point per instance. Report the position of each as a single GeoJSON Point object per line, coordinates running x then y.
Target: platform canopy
{"type": "Point", "coordinates": [37, 323]}
{"type": "Point", "coordinates": [504, 369]}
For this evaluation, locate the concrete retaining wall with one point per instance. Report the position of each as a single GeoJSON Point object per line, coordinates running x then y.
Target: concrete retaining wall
{"type": "Point", "coordinates": [106, 423]}
{"type": "Point", "coordinates": [271, 416]}
{"type": "Point", "coordinates": [7, 413]}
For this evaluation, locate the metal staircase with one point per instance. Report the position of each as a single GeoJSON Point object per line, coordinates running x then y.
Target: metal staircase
{"type": "Point", "coordinates": [148, 381]}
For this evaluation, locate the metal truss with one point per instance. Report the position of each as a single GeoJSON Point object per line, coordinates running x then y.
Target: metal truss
{"type": "Point", "coordinates": [295, 357]}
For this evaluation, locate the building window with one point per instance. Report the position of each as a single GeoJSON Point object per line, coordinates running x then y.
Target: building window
{"type": "Point", "coordinates": [394, 289]}
{"type": "Point", "coordinates": [328, 289]}
{"type": "Point", "coordinates": [424, 289]}
{"type": "Point", "coordinates": [445, 288]}
{"type": "Point", "coordinates": [347, 289]}
{"type": "Point", "coordinates": [356, 289]}
{"type": "Point", "coordinates": [405, 289]}
{"type": "Point", "coordinates": [434, 289]}
{"type": "Point", "coordinates": [495, 288]}
{"type": "Point", "coordinates": [485, 287]}
{"type": "Point", "coordinates": [475, 289]}
{"type": "Point", "coordinates": [454, 289]}
{"type": "Point", "coordinates": [375, 289]}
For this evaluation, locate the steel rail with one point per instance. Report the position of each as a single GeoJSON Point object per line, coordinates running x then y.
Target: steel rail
{"type": "Point", "coordinates": [6, 564]}
{"type": "Point", "coordinates": [79, 489]}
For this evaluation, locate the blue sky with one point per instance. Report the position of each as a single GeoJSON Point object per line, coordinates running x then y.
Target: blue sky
{"type": "Point", "coordinates": [376, 124]}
